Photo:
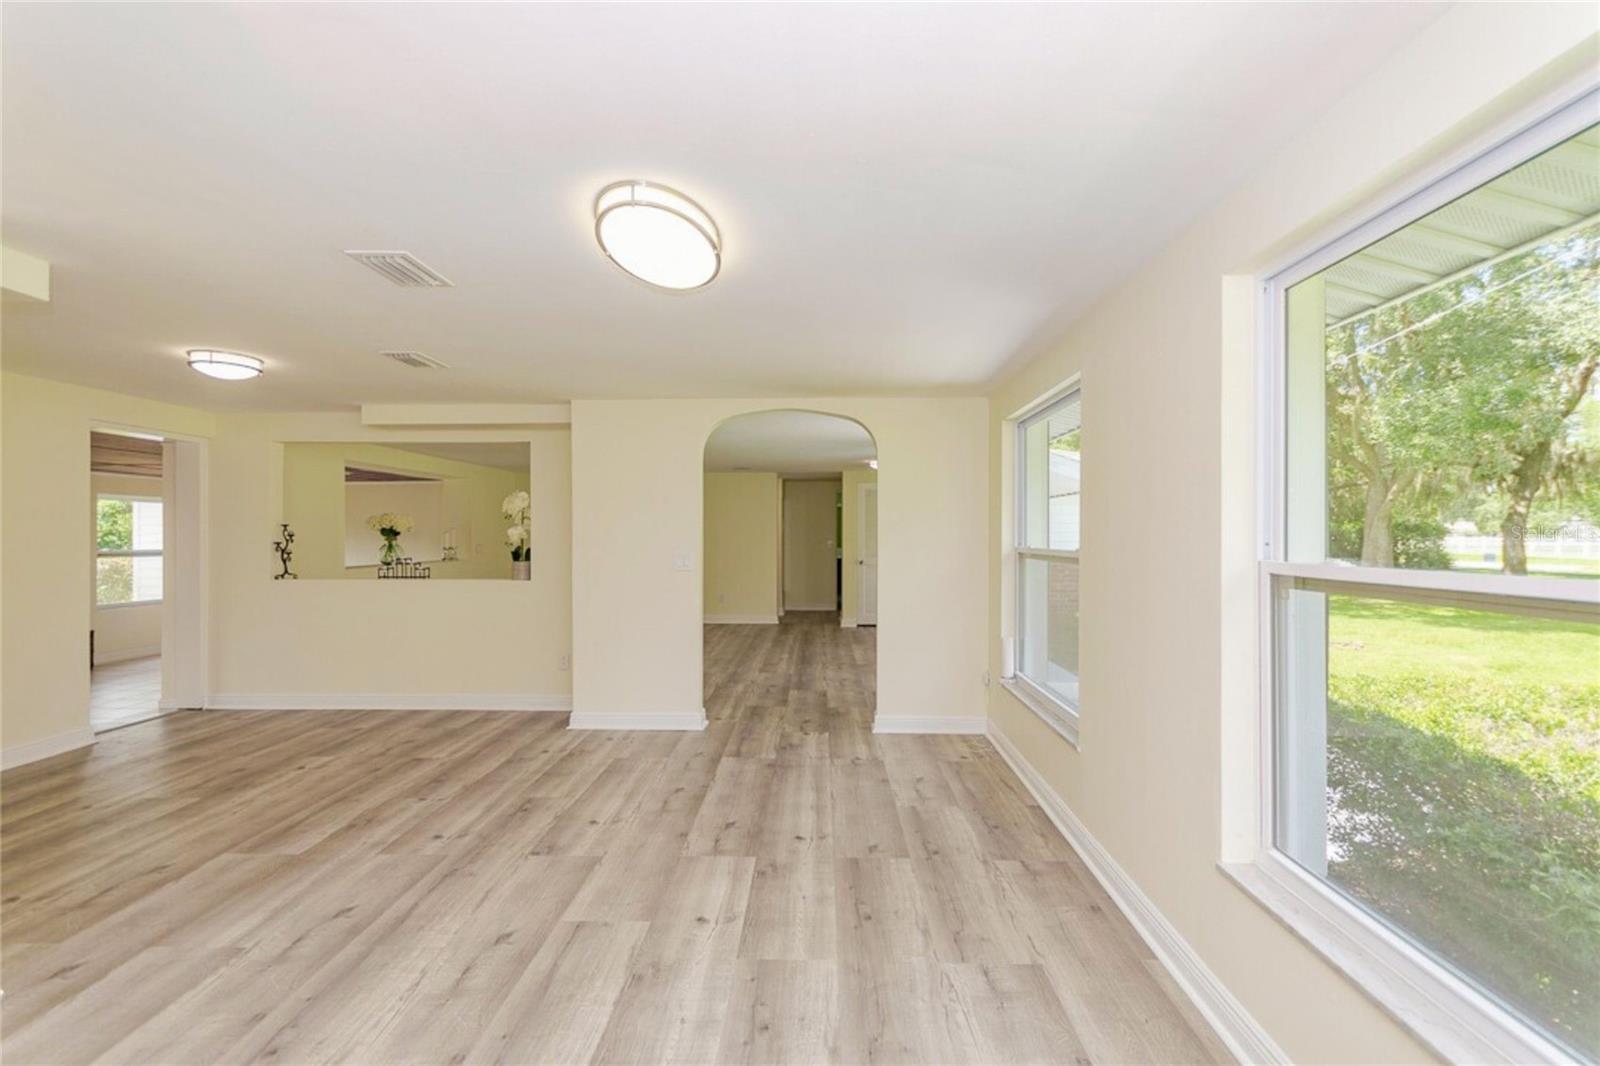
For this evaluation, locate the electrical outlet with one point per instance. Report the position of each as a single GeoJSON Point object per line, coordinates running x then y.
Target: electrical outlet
{"type": "Point", "coordinates": [566, 662]}
{"type": "Point", "coordinates": [683, 561]}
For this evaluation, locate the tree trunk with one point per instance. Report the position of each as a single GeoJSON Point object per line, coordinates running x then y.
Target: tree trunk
{"type": "Point", "coordinates": [1529, 476]}
{"type": "Point", "coordinates": [1377, 535]}
{"type": "Point", "coordinates": [1521, 487]}
{"type": "Point", "coordinates": [1513, 546]}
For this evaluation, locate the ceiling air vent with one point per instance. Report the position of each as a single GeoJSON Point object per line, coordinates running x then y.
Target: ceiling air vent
{"type": "Point", "coordinates": [402, 268]}
{"type": "Point", "coordinates": [416, 360]}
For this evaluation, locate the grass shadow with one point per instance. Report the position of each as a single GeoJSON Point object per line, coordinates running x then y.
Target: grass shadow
{"type": "Point", "coordinates": [1495, 870]}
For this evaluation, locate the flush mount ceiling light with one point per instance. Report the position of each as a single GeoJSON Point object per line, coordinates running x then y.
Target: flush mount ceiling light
{"type": "Point", "coordinates": [228, 366]}
{"type": "Point", "coordinates": [657, 234]}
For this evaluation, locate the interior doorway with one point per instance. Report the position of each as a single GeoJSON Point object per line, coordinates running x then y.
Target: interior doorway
{"type": "Point", "coordinates": [811, 543]}
{"type": "Point", "coordinates": [790, 572]}
{"type": "Point", "coordinates": [129, 557]}
{"type": "Point", "coordinates": [148, 646]}
{"type": "Point", "coordinates": [866, 560]}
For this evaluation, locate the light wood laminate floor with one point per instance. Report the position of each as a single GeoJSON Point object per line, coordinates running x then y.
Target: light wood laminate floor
{"type": "Point", "coordinates": [124, 693]}
{"type": "Point", "coordinates": [428, 886]}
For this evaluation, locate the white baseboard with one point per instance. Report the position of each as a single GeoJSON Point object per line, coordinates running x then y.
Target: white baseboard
{"type": "Point", "coordinates": [125, 654]}
{"type": "Point", "coordinates": [385, 701]}
{"type": "Point", "coordinates": [741, 619]}
{"type": "Point", "coordinates": [900, 723]}
{"type": "Point", "coordinates": [1241, 1033]}
{"type": "Point", "coordinates": [686, 721]}
{"type": "Point", "coordinates": [809, 607]}
{"type": "Point", "coordinates": [45, 747]}
{"type": "Point", "coordinates": [846, 623]}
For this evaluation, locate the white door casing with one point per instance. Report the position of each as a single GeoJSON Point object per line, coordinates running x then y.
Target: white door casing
{"type": "Point", "coordinates": [867, 564]}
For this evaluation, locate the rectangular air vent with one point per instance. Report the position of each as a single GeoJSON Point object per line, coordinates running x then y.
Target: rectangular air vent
{"type": "Point", "coordinates": [402, 268]}
{"type": "Point", "coordinates": [416, 360]}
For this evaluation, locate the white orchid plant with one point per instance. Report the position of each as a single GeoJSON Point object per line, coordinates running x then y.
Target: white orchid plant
{"type": "Point", "coordinates": [518, 509]}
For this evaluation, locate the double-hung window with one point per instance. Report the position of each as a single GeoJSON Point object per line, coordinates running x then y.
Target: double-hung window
{"type": "Point", "coordinates": [1048, 464]}
{"type": "Point", "coordinates": [128, 550]}
{"type": "Point", "coordinates": [1431, 598]}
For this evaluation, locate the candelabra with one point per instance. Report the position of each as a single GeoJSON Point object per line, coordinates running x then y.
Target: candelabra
{"type": "Point", "coordinates": [285, 549]}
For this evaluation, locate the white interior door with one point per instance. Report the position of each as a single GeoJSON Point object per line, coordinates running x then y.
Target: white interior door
{"type": "Point", "coordinates": [867, 579]}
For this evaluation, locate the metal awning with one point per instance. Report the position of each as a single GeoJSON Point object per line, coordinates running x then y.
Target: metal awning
{"type": "Point", "coordinates": [1548, 195]}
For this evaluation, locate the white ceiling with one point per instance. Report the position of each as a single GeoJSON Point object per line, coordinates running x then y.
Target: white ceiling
{"type": "Point", "coordinates": [910, 196]}
{"type": "Point", "coordinates": [789, 442]}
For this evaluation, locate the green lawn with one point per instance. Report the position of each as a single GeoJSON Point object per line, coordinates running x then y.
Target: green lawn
{"type": "Point", "coordinates": [1464, 786]}
{"type": "Point", "coordinates": [1538, 565]}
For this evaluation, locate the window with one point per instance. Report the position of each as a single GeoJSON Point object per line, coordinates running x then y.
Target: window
{"type": "Point", "coordinates": [128, 544]}
{"type": "Point", "coordinates": [1048, 517]}
{"type": "Point", "coordinates": [1432, 581]}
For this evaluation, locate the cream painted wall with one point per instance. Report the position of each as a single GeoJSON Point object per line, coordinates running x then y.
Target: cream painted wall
{"type": "Point", "coordinates": [636, 513]}
{"type": "Point", "coordinates": [317, 503]}
{"type": "Point", "coordinates": [1168, 607]}
{"type": "Point", "coordinates": [46, 609]}
{"type": "Point", "coordinates": [741, 538]}
{"type": "Point", "coordinates": [849, 591]}
{"type": "Point", "coordinates": [121, 632]}
{"type": "Point", "coordinates": [810, 544]}
{"type": "Point", "coordinates": [500, 642]}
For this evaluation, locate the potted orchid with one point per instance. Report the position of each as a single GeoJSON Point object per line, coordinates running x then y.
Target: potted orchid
{"type": "Point", "coordinates": [389, 526]}
{"type": "Point", "coordinates": [518, 509]}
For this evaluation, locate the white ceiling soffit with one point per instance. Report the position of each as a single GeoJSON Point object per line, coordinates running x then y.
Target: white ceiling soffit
{"type": "Point", "coordinates": [789, 442]}
{"type": "Point", "coordinates": [507, 455]}
{"type": "Point", "coordinates": [1550, 194]}
{"type": "Point", "coordinates": [909, 195]}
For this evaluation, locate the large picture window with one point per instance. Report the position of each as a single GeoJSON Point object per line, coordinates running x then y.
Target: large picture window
{"type": "Point", "coordinates": [128, 550]}
{"type": "Point", "coordinates": [1432, 587]}
{"type": "Point", "coordinates": [1048, 519]}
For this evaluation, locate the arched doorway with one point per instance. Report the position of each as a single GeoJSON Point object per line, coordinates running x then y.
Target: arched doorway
{"type": "Point", "coordinates": [790, 575]}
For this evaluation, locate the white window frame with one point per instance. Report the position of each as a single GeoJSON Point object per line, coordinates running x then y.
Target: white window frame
{"type": "Point", "coordinates": [127, 553]}
{"type": "Point", "coordinates": [1056, 712]}
{"type": "Point", "coordinates": [1452, 1015]}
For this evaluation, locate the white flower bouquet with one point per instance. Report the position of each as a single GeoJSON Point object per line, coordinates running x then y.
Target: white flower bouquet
{"type": "Point", "coordinates": [389, 526]}
{"type": "Point", "coordinates": [518, 509]}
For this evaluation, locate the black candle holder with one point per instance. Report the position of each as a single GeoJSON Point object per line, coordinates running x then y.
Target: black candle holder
{"type": "Point", "coordinates": [285, 549]}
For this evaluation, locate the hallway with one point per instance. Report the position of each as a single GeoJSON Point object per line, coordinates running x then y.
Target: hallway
{"type": "Point", "coordinates": [472, 886]}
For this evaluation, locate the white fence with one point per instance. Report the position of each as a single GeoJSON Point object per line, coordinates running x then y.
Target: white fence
{"type": "Point", "coordinates": [1485, 549]}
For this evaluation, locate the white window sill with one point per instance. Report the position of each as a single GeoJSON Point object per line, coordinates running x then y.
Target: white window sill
{"type": "Point", "coordinates": [1448, 1014]}
{"type": "Point", "coordinates": [130, 603]}
{"type": "Point", "coordinates": [1056, 715]}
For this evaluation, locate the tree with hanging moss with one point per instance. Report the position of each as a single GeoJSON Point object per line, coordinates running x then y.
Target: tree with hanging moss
{"type": "Point", "coordinates": [1478, 388]}
{"type": "Point", "coordinates": [1535, 328]}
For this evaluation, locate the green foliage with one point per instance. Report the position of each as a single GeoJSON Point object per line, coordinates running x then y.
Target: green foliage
{"type": "Point", "coordinates": [1418, 538]}
{"type": "Point", "coordinates": [1473, 397]}
{"type": "Point", "coordinates": [114, 525]}
{"type": "Point", "coordinates": [113, 580]}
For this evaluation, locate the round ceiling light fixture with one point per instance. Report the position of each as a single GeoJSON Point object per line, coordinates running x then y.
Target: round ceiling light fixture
{"type": "Point", "coordinates": [227, 366]}
{"type": "Point", "coordinates": [657, 234]}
